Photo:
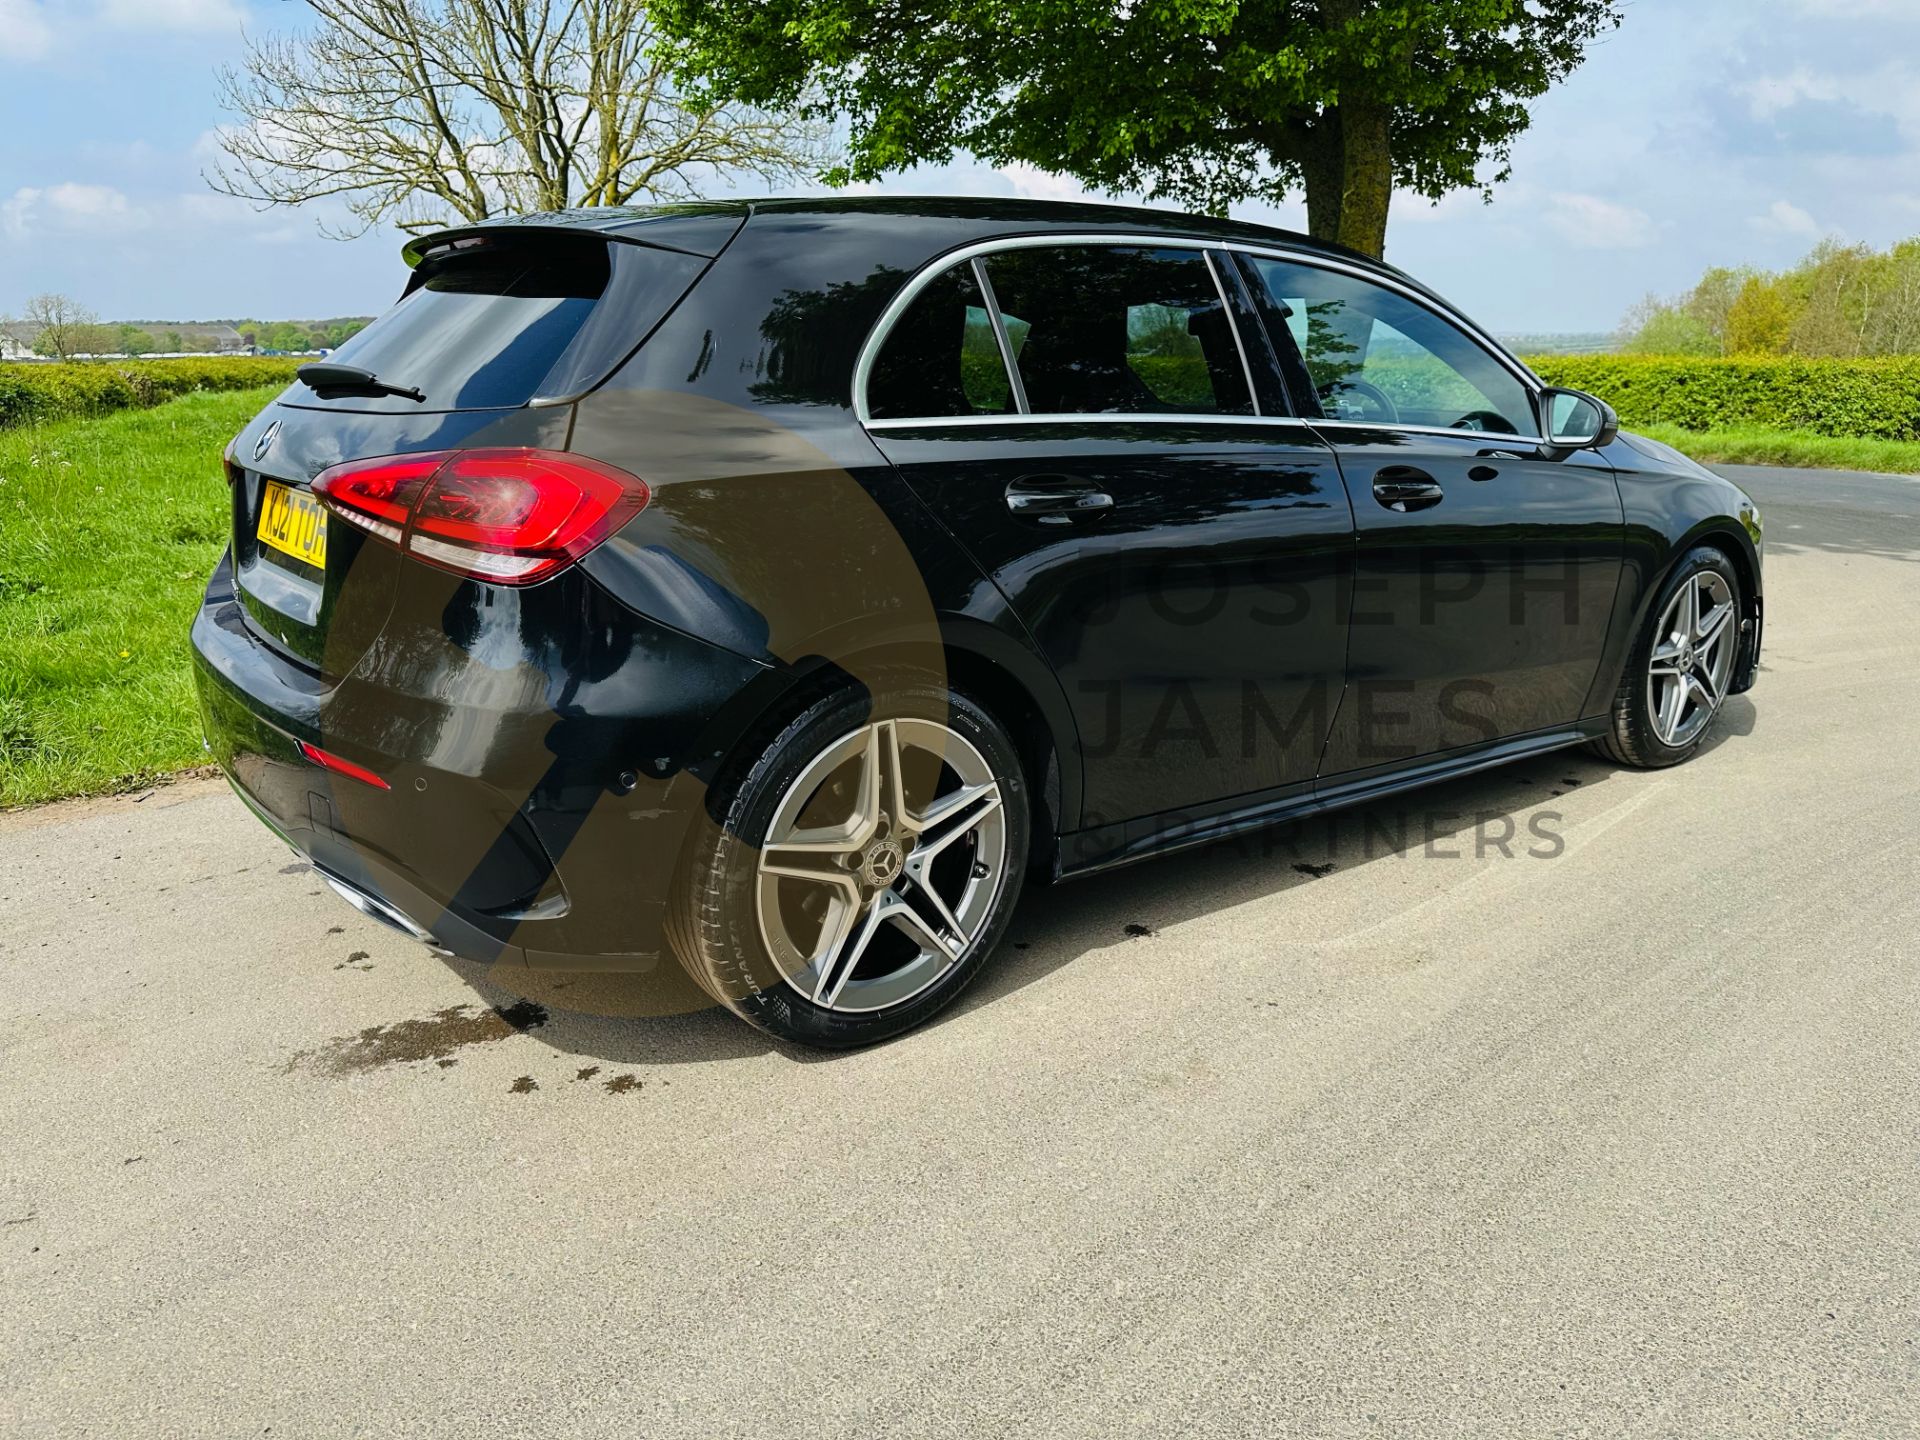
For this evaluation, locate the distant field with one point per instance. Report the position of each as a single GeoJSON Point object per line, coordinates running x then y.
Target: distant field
{"type": "Point", "coordinates": [108, 530]}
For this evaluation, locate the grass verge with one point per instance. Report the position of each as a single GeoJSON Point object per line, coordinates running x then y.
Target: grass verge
{"type": "Point", "coordinates": [1788, 447]}
{"type": "Point", "coordinates": [108, 530]}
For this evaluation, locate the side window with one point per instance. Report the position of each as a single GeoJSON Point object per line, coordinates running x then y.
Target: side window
{"type": "Point", "coordinates": [1112, 329]}
{"type": "Point", "coordinates": [941, 358]}
{"type": "Point", "coordinates": [1373, 354]}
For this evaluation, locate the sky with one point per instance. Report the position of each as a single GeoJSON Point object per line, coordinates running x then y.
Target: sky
{"type": "Point", "coordinates": [1702, 132]}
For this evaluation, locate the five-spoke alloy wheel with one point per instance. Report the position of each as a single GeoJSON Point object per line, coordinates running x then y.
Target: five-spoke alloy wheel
{"type": "Point", "coordinates": [1692, 658]}
{"type": "Point", "coordinates": [1683, 666]}
{"type": "Point", "coordinates": [868, 861]}
{"type": "Point", "coordinates": [869, 892]}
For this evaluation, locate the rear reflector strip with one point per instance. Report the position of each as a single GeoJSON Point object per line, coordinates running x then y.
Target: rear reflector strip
{"type": "Point", "coordinates": [327, 760]}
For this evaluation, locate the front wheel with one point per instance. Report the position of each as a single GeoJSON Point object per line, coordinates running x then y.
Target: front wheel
{"type": "Point", "coordinates": [866, 866]}
{"type": "Point", "coordinates": [1680, 670]}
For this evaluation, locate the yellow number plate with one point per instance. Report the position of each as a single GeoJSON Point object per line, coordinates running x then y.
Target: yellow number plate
{"type": "Point", "coordinates": [293, 522]}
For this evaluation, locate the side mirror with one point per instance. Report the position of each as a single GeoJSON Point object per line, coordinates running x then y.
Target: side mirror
{"type": "Point", "coordinates": [1575, 420]}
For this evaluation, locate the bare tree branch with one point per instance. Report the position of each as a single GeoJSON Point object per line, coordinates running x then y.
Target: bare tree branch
{"type": "Point", "coordinates": [425, 113]}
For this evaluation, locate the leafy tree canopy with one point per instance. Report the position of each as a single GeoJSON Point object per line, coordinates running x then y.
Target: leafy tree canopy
{"type": "Point", "coordinates": [1202, 102]}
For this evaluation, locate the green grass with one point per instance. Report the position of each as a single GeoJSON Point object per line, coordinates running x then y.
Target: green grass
{"type": "Point", "coordinates": [1745, 446]}
{"type": "Point", "coordinates": [108, 530]}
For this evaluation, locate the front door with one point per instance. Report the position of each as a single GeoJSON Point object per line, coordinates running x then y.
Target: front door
{"type": "Point", "coordinates": [1486, 567]}
{"type": "Point", "coordinates": [1182, 563]}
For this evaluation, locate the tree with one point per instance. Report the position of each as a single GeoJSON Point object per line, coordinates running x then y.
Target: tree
{"type": "Point", "coordinates": [1760, 321]}
{"type": "Point", "coordinates": [1204, 102]}
{"type": "Point", "coordinates": [427, 112]}
{"type": "Point", "coordinates": [66, 326]}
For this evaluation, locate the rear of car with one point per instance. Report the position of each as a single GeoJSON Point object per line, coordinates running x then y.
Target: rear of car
{"type": "Point", "coordinates": [401, 665]}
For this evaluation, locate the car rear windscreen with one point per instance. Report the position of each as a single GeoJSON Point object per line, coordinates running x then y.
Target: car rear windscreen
{"type": "Point", "coordinates": [492, 323]}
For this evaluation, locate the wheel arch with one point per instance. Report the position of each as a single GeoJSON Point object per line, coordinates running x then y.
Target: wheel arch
{"type": "Point", "coordinates": [999, 671]}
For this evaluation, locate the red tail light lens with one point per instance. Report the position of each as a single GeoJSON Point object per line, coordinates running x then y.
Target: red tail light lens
{"type": "Point", "coordinates": [509, 516]}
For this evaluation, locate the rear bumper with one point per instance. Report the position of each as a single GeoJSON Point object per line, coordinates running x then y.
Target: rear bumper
{"type": "Point", "coordinates": [512, 829]}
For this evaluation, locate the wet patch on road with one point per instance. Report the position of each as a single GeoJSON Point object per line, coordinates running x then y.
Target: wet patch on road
{"type": "Point", "coordinates": [525, 1085]}
{"type": "Point", "coordinates": [1138, 932]}
{"type": "Point", "coordinates": [407, 1041]}
{"type": "Point", "coordinates": [621, 1084]}
{"type": "Point", "coordinates": [1312, 871]}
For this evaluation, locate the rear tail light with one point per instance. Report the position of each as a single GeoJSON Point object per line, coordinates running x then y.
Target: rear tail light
{"type": "Point", "coordinates": [508, 516]}
{"type": "Point", "coordinates": [327, 760]}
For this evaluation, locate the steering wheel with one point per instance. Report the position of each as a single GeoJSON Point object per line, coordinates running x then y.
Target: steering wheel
{"type": "Point", "coordinates": [1487, 420]}
{"type": "Point", "coordinates": [1371, 393]}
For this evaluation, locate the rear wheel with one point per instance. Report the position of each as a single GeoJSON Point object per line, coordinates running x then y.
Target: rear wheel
{"type": "Point", "coordinates": [1679, 673]}
{"type": "Point", "coordinates": [865, 869]}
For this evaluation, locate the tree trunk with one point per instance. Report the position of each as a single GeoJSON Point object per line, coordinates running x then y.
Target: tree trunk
{"type": "Point", "coordinates": [1366, 188]}
{"type": "Point", "coordinates": [1346, 160]}
{"type": "Point", "coordinates": [1320, 161]}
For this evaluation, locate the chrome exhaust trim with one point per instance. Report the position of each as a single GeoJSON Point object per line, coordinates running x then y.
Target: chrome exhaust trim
{"type": "Point", "coordinates": [377, 909]}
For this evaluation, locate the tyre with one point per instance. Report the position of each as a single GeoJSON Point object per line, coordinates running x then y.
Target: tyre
{"type": "Point", "coordinates": [867, 863]}
{"type": "Point", "coordinates": [1677, 676]}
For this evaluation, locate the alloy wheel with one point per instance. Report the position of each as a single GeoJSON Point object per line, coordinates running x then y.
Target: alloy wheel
{"type": "Point", "coordinates": [1692, 658]}
{"type": "Point", "coordinates": [881, 865]}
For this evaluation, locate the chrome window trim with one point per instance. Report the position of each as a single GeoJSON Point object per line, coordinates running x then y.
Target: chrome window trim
{"type": "Point", "coordinates": [979, 249]}
{"type": "Point", "coordinates": [1487, 437]}
{"type": "Point", "coordinates": [1103, 417]}
{"type": "Point", "coordinates": [1233, 327]}
{"type": "Point", "coordinates": [1016, 387]}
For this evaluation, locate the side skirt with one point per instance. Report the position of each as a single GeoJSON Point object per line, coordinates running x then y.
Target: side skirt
{"type": "Point", "coordinates": [1107, 847]}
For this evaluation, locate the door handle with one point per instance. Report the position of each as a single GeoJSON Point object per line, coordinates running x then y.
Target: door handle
{"type": "Point", "coordinates": [1057, 502]}
{"type": "Point", "coordinates": [1405, 489]}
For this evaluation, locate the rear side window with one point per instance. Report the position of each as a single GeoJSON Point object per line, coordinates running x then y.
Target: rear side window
{"type": "Point", "coordinates": [492, 323]}
{"type": "Point", "coordinates": [1110, 329]}
{"type": "Point", "coordinates": [941, 358]}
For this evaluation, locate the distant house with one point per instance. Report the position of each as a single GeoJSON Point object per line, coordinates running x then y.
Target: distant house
{"type": "Point", "coordinates": [200, 339]}
{"type": "Point", "coordinates": [16, 340]}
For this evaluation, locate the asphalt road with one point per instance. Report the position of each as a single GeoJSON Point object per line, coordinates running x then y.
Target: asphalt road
{"type": "Point", "coordinates": [1618, 1141]}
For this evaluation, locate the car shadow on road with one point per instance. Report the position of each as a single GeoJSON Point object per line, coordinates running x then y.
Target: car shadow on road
{"type": "Point", "coordinates": [664, 1019]}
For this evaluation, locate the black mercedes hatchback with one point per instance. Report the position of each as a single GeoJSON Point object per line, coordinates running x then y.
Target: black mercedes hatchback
{"type": "Point", "coordinates": [772, 589]}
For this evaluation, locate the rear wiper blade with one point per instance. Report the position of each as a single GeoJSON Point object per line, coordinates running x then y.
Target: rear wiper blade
{"type": "Point", "coordinates": [329, 381]}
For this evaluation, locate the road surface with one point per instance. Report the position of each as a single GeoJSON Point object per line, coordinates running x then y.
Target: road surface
{"type": "Point", "coordinates": [1326, 1134]}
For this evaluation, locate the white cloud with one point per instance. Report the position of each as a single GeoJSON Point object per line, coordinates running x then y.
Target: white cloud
{"type": "Point", "coordinates": [173, 14]}
{"type": "Point", "coordinates": [29, 29]}
{"type": "Point", "coordinates": [1032, 183]}
{"type": "Point", "coordinates": [1783, 217]}
{"type": "Point", "coordinates": [24, 32]}
{"type": "Point", "coordinates": [1418, 210]}
{"type": "Point", "coordinates": [69, 206]}
{"type": "Point", "coordinates": [1596, 224]}
{"type": "Point", "coordinates": [1854, 9]}
{"type": "Point", "coordinates": [1768, 95]}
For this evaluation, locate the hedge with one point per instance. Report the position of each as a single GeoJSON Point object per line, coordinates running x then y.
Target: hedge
{"type": "Point", "coordinates": [1845, 399]}
{"type": "Point", "coordinates": [55, 390]}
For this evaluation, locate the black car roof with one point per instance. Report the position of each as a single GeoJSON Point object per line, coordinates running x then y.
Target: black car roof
{"type": "Point", "coordinates": [704, 227]}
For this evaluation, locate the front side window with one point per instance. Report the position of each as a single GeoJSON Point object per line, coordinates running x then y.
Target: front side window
{"type": "Point", "coordinates": [1114, 329]}
{"type": "Point", "coordinates": [1372, 354]}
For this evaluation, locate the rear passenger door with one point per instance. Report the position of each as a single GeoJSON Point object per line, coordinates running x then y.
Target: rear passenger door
{"type": "Point", "coordinates": [1083, 420]}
